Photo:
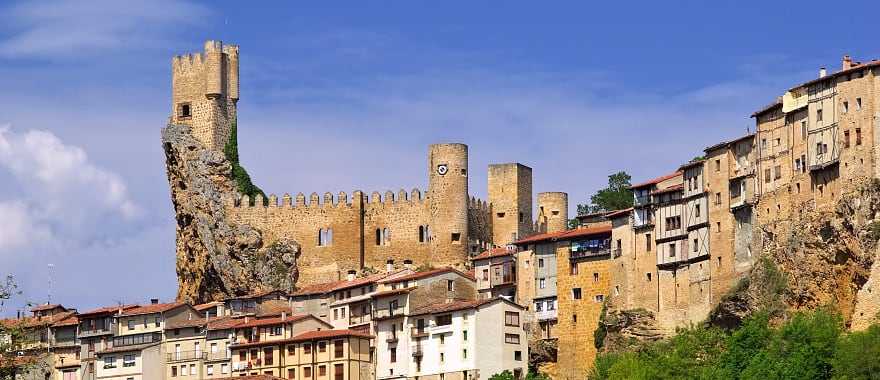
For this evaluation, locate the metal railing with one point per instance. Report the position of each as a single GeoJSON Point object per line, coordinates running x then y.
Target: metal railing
{"type": "Point", "coordinates": [185, 356]}
{"type": "Point", "coordinates": [594, 252]}
{"type": "Point", "coordinates": [418, 332]}
{"type": "Point", "coordinates": [387, 313]}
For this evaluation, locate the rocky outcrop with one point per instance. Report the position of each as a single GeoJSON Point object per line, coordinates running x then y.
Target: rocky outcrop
{"type": "Point", "coordinates": [628, 329]}
{"type": "Point", "coordinates": [216, 259]}
{"type": "Point", "coordinates": [817, 258]}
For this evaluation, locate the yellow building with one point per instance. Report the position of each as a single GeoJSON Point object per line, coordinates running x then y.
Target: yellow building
{"type": "Point", "coordinates": [259, 344]}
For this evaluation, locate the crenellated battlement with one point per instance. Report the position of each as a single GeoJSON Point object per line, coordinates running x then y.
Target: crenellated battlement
{"type": "Point", "coordinates": [314, 200]}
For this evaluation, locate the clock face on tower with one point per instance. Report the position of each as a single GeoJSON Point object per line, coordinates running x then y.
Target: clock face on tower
{"type": "Point", "coordinates": [442, 169]}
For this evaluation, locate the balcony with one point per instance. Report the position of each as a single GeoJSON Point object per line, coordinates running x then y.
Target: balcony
{"type": "Point", "coordinates": [417, 352]}
{"type": "Point", "coordinates": [641, 201]}
{"type": "Point", "coordinates": [387, 313]}
{"type": "Point", "coordinates": [546, 315]}
{"type": "Point", "coordinates": [391, 338]}
{"type": "Point", "coordinates": [359, 319]}
{"type": "Point", "coordinates": [94, 332]}
{"type": "Point", "coordinates": [589, 252]}
{"type": "Point", "coordinates": [220, 355]}
{"type": "Point", "coordinates": [419, 332]}
{"type": "Point", "coordinates": [185, 356]}
{"type": "Point", "coordinates": [441, 329]}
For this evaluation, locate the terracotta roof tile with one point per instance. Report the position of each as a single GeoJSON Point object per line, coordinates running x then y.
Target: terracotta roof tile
{"type": "Point", "coordinates": [392, 292]}
{"type": "Point", "coordinates": [565, 235]}
{"type": "Point", "coordinates": [70, 320]}
{"type": "Point", "coordinates": [206, 306]}
{"type": "Point", "coordinates": [46, 307]}
{"type": "Point", "coordinates": [617, 213]}
{"type": "Point", "coordinates": [254, 322]}
{"type": "Point", "coordinates": [425, 274]}
{"type": "Point", "coordinates": [494, 252]}
{"type": "Point", "coordinates": [449, 306]}
{"type": "Point", "coordinates": [669, 189]}
{"type": "Point", "coordinates": [107, 310]}
{"type": "Point", "coordinates": [655, 180]}
{"type": "Point", "coordinates": [324, 334]}
{"type": "Point", "coordinates": [152, 308]}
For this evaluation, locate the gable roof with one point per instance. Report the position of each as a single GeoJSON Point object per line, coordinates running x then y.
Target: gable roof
{"type": "Point", "coordinates": [206, 306]}
{"type": "Point", "coordinates": [565, 235]}
{"type": "Point", "coordinates": [107, 310]}
{"type": "Point", "coordinates": [152, 308]}
{"type": "Point", "coordinates": [618, 213]}
{"type": "Point", "coordinates": [494, 252]}
{"type": "Point", "coordinates": [457, 305]}
{"type": "Point", "coordinates": [45, 307]}
{"type": "Point", "coordinates": [655, 181]}
{"type": "Point", "coordinates": [426, 274]}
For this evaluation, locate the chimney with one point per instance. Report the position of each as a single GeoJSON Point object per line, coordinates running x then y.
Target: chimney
{"type": "Point", "coordinates": [389, 265]}
{"type": "Point", "coordinates": [822, 72]}
{"type": "Point", "coordinates": [407, 264]}
{"type": "Point", "coordinates": [847, 62]}
{"type": "Point", "coordinates": [351, 274]}
{"type": "Point", "coordinates": [154, 301]}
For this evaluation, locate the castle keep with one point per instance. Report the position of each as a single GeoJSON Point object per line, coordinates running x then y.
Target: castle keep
{"type": "Point", "coordinates": [339, 232]}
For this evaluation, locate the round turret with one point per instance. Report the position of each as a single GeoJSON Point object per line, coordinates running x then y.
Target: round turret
{"type": "Point", "coordinates": [553, 211]}
{"type": "Point", "coordinates": [448, 196]}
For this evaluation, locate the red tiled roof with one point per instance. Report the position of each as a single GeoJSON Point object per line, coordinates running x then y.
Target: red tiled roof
{"type": "Point", "coordinates": [392, 292]}
{"type": "Point", "coordinates": [196, 322]}
{"type": "Point", "coordinates": [70, 320]}
{"type": "Point", "coordinates": [206, 306]}
{"type": "Point", "coordinates": [324, 334]}
{"type": "Point", "coordinates": [451, 306]}
{"type": "Point", "coordinates": [672, 188]}
{"type": "Point", "coordinates": [494, 252]}
{"type": "Point", "coordinates": [655, 180]}
{"type": "Point", "coordinates": [425, 274]}
{"type": "Point", "coordinates": [152, 308]}
{"type": "Point", "coordinates": [26, 322]}
{"type": "Point", "coordinates": [565, 235]}
{"type": "Point", "coordinates": [229, 323]}
{"type": "Point", "coordinates": [107, 310]}
{"type": "Point", "coordinates": [614, 214]}
{"type": "Point", "coordinates": [46, 307]}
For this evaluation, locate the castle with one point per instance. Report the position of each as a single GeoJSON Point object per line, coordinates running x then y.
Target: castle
{"type": "Point", "coordinates": [338, 233]}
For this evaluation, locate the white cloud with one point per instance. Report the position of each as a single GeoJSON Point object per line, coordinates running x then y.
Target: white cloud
{"type": "Point", "coordinates": [62, 27]}
{"type": "Point", "coordinates": [56, 195]}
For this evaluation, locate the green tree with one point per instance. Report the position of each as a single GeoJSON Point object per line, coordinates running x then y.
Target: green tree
{"type": "Point", "coordinates": [857, 355]}
{"type": "Point", "coordinates": [11, 336]}
{"type": "Point", "coordinates": [239, 174]}
{"type": "Point", "coordinates": [616, 196]}
{"type": "Point", "coordinates": [506, 375]}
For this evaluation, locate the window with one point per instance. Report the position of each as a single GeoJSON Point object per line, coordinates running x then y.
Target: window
{"type": "Point", "coordinates": [307, 372]}
{"type": "Point", "coordinates": [185, 111]}
{"type": "Point", "coordinates": [338, 349]}
{"type": "Point", "coordinates": [500, 214]}
{"type": "Point", "coordinates": [777, 172]}
{"type": "Point", "coordinates": [209, 369]}
{"type": "Point", "coordinates": [797, 164]}
{"type": "Point", "coordinates": [184, 370]}
{"type": "Point", "coordinates": [485, 275]}
{"type": "Point", "coordinates": [517, 355]}
{"type": "Point", "coordinates": [338, 371]}
{"type": "Point", "coordinates": [616, 290]}
{"type": "Point", "coordinates": [804, 160]}
{"type": "Point", "coordinates": [540, 263]}
{"type": "Point", "coordinates": [697, 210]}
{"type": "Point", "coordinates": [777, 142]}
{"type": "Point", "coordinates": [648, 275]}
{"type": "Point", "coordinates": [322, 370]}
{"type": "Point", "coordinates": [718, 198]}
{"type": "Point", "coordinates": [858, 136]}
{"type": "Point", "coordinates": [846, 139]}
{"type": "Point", "coordinates": [511, 318]}
{"type": "Point", "coordinates": [539, 306]}
{"type": "Point", "coordinates": [224, 368]}
{"type": "Point", "coordinates": [595, 277]}
{"type": "Point", "coordinates": [322, 346]}
{"type": "Point", "coordinates": [845, 106]}
{"type": "Point", "coordinates": [291, 373]}
{"type": "Point", "coordinates": [378, 236]}
{"type": "Point", "coordinates": [386, 236]}
{"type": "Point", "coordinates": [858, 104]}
{"type": "Point", "coordinates": [763, 144]}
{"type": "Point", "coordinates": [542, 283]}
{"type": "Point", "coordinates": [268, 355]}
{"type": "Point", "coordinates": [599, 298]}
{"type": "Point", "coordinates": [717, 165]}
{"type": "Point", "coordinates": [767, 175]}
{"type": "Point", "coordinates": [671, 249]}
{"type": "Point", "coordinates": [574, 318]}
{"type": "Point", "coordinates": [696, 245]}
{"type": "Point", "coordinates": [648, 242]}
{"type": "Point", "coordinates": [158, 321]}
{"type": "Point", "coordinates": [307, 349]}
{"type": "Point", "coordinates": [576, 293]}
{"type": "Point", "coordinates": [573, 268]}
{"type": "Point", "coordinates": [109, 362]}
{"type": "Point", "coordinates": [464, 353]}
{"type": "Point", "coordinates": [442, 357]}
{"type": "Point", "coordinates": [818, 115]}
{"type": "Point", "coordinates": [392, 352]}
{"type": "Point", "coordinates": [128, 361]}
{"type": "Point", "coordinates": [242, 356]}
{"type": "Point", "coordinates": [803, 130]}
{"type": "Point", "coordinates": [511, 338]}
{"type": "Point", "coordinates": [173, 371]}
{"type": "Point", "coordinates": [456, 237]}
{"type": "Point", "coordinates": [421, 234]}
{"type": "Point", "coordinates": [275, 330]}
{"type": "Point", "coordinates": [464, 335]}
{"type": "Point", "coordinates": [450, 285]}
{"type": "Point", "coordinates": [443, 320]}
{"type": "Point", "coordinates": [131, 324]}
{"type": "Point", "coordinates": [521, 217]}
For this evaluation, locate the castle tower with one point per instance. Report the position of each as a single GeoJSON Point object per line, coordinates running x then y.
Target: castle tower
{"type": "Point", "coordinates": [204, 93]}
{"type": "Point", "coordinates": [553, 211]}
{"type": "Point", "coordinates": [448, 196]}
{"type": "Point", "coordinates": [510, 199]}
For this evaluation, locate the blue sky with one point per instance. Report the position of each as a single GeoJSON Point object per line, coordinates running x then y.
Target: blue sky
{"type": "Point", "coordinates": [340, 96]}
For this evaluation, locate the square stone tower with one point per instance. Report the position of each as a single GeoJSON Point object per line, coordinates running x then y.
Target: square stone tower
{"type": "Point", "coordinates": [204, 93]}
{"type": "Point", "coordinates": [510, 199]}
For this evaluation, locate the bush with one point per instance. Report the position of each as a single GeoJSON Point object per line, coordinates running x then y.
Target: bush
{"type": "Point", "coordinates": [239, 174]}
{"type": "Point", "coordinates": [811, 345]}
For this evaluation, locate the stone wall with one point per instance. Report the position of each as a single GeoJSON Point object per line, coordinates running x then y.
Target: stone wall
{"type": "Point", "coordinates": [510, 199]}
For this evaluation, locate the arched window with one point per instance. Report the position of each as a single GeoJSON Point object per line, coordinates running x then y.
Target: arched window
{"type": "Point", "coordinates": [427, 232]}
{"type": "Point", "coordinates": [421, 234]}
{"type": "Point", "coordinates": [329, 239]}
{"type": "Point", "coordinates": [378, 237]}
{"type": "Point", "coordinates": [386, 237]}
{"type": "Point", "coordinates": [320, 237]}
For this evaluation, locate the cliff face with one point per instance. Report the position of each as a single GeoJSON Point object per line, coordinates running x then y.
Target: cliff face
{"type": "Point", "coordinates": [817, 258]}
{"type": "Point", "coordinates": [216, 259]}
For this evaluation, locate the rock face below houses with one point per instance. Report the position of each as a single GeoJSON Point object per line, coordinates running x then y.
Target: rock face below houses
{"type": "Point", "coordinates": [214, 258]}
{"type": "Point", "coordinates": [815, 259]}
